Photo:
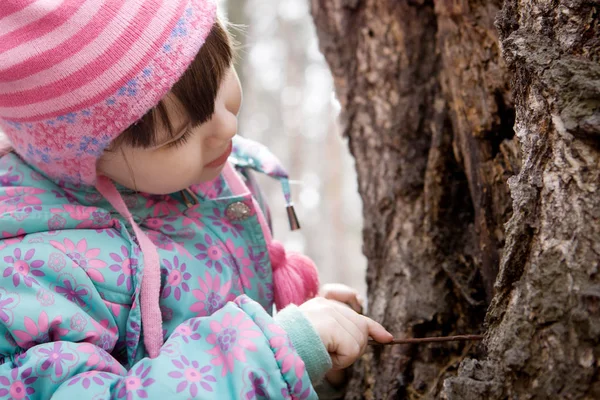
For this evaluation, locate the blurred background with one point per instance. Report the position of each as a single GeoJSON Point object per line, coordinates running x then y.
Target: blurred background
{"type": "Point", "coordinates": [290, 106]}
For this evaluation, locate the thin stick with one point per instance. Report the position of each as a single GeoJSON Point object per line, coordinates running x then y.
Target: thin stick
{"type": "Point", "coordinates": [428, 340]}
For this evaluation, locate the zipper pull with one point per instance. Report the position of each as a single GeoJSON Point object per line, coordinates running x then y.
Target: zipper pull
{"type": "Point", "coordinates": [289, 208]}
{"type": "Point", "coordinates": [190, 201]}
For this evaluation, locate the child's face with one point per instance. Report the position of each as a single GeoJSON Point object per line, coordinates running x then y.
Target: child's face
{"type": "Point", "coordinates": [176, 164]}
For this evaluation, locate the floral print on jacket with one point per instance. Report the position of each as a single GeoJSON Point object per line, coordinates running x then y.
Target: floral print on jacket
{"type": "Point", "coordinates": [70, 323]}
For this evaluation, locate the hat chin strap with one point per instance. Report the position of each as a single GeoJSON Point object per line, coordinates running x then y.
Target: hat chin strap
{"type": "Point", "coordinates": [150, 291]}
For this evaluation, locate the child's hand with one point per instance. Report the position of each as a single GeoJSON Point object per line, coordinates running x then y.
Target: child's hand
{"type": "Point", "coordinates": [351, 298]}
{"type": "Point", "coordinates": [343, 294]}
{"type": "Point", "coordinates": [344, 332]}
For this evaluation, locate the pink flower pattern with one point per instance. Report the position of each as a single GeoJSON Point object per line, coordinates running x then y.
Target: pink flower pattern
{"type": "Point", "coordinates": [83, 257]}
{"type": "Point", "coordinates": [231, 339]}
{"type": "Point", "coordinates": [161, 241]}
{"type": "Point", "coordinates": [289, 359]}
{"type": "Point", "coordinates": [255, 384]}
{"type": "Point", "coordinates": [56, 361]}
{"type": "Point", "coordinates": [45, 297]}
{"type": "Point", "coordinates": [219, 220]}
{"type": "Point", "coordinates": [57, 261]}
{"type": "Point", "coordinates": [161, 206]}
{"type": "Point", "coordinates": [57, 222]}
{"type": "Point", "coordinates": [23, 268]}
{"type": "Point", "coordinates": [8, 301]}
{"type": "Point", "coordinates": [11, 177]}
{"type": "Point", "coordinates": [68, 287]}
{"type": "Point", "coordinates": [192, 217]}
{"type": "Point", "coordinates": [177, 276]}
{"type": "Point", "coordinates": [104, 334]}
{"type": "Point", "coordinates": [9, 239]}
{"type": "Point", "coordinates": [99, 359]}
{"type": "Point", "coordinates": [89, 378]}
{"type": "Point", "coordinates": [89, 216]}
{"type": "Point", "coordinates": [188, 332]}
{"type": "Point", "coordinates": [155, 223]}
{"type": "Point", "coordinates": [211, 252]}
{"type": "Point", "coordinates": [19, 386]}
{"type": "Point", "coordinates": [15, 198]}
{"type": "Point", "coordinates": [78, 322]}
{"type": "Point", "coordinates": [40, 332]}
{"type": "Point", "coordinates": [211, 189]}
{"type": "Point", "coordinates": [124, 267]}
{"type": "Point", "coordinates": [211, 296]}
{"type": "Point", "coordinates": [76, 212]}
{"type": "Point", "coordinates": [136, 383]}
{"type": "Point", "coordinates": [236, 256]}
{"type": "Point", "coordinates": [192, 376]}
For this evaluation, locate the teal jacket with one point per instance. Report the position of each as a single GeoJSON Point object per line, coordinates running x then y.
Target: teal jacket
{"type": "Point", "coordinates": [70, 323]}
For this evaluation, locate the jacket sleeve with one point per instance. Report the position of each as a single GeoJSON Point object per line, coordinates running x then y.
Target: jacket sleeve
{"type": "Point", "coordinates": [58, 337]}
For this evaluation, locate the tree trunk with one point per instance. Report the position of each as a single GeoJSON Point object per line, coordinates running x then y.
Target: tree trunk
{"type": "Point", "coordinates": [429, 114]}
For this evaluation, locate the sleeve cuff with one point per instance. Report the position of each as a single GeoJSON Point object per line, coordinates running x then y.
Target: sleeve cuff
{"type": "Point", "coordinates": [306, 341]}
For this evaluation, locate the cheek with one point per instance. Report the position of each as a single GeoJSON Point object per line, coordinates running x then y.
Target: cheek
{"type": "Point", "coordinates": [170, 172]}
{"type": "Point", "coordinates": [115, 167]}
{"type": "Point", "coordinates": [159, 172]}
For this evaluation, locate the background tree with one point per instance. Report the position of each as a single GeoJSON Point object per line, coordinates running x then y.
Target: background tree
{"type": "Point", "coordinates": [289, 105]}
{"type": "Point", "coordinates": [475, 221]}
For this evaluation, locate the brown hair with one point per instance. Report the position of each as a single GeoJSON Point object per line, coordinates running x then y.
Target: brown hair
{"type": "Point", "coordinates": [196, 90]}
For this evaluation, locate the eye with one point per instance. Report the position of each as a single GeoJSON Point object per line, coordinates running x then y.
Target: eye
{"type": "Point", "coordinates": [180, 141]}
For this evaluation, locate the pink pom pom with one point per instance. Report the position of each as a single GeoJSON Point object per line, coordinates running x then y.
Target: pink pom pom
{"type": "Point", "coordinates": [295, 276]}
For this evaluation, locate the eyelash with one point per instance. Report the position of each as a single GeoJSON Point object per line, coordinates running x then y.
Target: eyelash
{"type": "Point", "coordinates": [181, 141]}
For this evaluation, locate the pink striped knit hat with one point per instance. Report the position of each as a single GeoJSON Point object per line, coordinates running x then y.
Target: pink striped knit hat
{"type": "Point", "coordinates": [74, 74]}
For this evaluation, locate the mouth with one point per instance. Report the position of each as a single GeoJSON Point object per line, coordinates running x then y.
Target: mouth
{"type": "Point", "coordinates": [222, 159]}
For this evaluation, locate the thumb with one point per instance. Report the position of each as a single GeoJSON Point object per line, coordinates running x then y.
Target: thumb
{"type": "Point", "coordinates": [378, 332]}
{"type": "Point", "coordinates": [342, 293]}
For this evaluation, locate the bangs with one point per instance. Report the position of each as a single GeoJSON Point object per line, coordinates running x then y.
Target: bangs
{"type": "Point", "coordinates": [196, 91]}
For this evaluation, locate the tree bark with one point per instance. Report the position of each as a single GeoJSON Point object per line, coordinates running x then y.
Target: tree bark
{"type": "Point", "coordinates": [429, 114]}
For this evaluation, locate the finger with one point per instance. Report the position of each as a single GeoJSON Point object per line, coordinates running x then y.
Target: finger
{"type": "Point", "coordinates": [346, 350]}
{"type": "Point", "coordinates": [360, 304]}
{"type": "Point", "coordinates": [361, 300]}
{"type": "Point", "coordinates": [355, 304]}
{"type": "Point", "coordinates": [335, 288]}
{"type": "Point", "coordinates": [343, 293]}
{"type": "Point", "coordinates": [352, 323]}
{"type": "Point", "coordinates": [359, 328]}
{"type": "Point", "coordinates": [378, 332]}
{"type": "Point", "coordinates": [352, 336]}
{"type": "Point", "coordinates": [340, 361]}
{"type": "Point", "coordinates": [345, 305]}
{"type": "Point", "coordinates": [373, 328]}
{"type": "Point", "coordinates": [327, 288]}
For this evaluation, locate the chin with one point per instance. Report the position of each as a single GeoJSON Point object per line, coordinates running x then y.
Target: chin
{"type": "Point", "coordinates": [166, 190]}
{"type": "Point", "coordinates": [211, 174]}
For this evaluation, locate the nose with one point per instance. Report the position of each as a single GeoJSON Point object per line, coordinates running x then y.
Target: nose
{"type": "Point", "coordinates": [233, 87]}
{"type": "Point", "coordinates": [224, 129]}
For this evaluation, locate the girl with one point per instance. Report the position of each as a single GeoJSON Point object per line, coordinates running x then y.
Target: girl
{"type": "Point", "coordinates": [137, 260]}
